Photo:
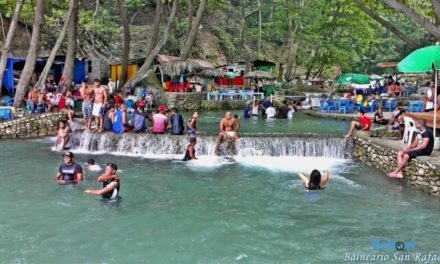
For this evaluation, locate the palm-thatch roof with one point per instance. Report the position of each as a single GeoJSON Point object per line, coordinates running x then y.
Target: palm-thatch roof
{"type": "Point", "coordinates": [259, 75]}
{"type": "Point", "coordinates": [177, 67]}
{"type": "Point", "coordinates": [213, 73]}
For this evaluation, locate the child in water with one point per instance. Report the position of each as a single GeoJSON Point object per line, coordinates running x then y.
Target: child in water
{"type": "Point", "coordinates": [315, 182]}
{"type": "Point", "coordinates": [190, 153]}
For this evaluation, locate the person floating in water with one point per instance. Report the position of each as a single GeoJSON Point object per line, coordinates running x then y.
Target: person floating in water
{"type": "Point", "coordinates": [69, 171]}
{"type": "Point", "coordinates": [91, 166]}
{"type": "Point", "coordinates": [190, 153]}
{"type": "Point", "coordinates": [315, 182]}
{"type": "Point", "coordinates": [228, 130]}
{"type": "Point", "coordinates": [110, 184]}
{"type": "Point", "coordinates": [63, 136]}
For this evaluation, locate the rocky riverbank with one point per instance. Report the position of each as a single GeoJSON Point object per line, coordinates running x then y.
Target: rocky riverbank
{"type": "Point", "coordinates": [423, 172]}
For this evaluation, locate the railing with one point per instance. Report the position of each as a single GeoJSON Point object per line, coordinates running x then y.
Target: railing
{"type": "Point", "coordinates": [241, 95]}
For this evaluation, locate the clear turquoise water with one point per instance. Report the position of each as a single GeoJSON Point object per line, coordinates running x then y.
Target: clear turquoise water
{"type": "Point", "coordinates": [301, 124]}
{"type": "Point", "coordinates": [209, 212]}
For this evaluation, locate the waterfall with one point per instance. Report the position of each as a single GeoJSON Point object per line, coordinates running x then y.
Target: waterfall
{"type": "Point", "coordinates": [149, 144]}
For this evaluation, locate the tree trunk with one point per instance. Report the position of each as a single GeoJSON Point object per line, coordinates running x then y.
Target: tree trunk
{"type": "Point", "coordinates": [260, 21]}
{"type": "Point", "coordinates": [189, 42]}
{"type": "Point", "coordinates": [243, 20]}
{"type": "Point", "coordinates": [190, 16]}
{"type": "Point", "coordinates": [31, 58]}
{"type": "Point", "coordinates": [411, 14]}
{"type": "Point", "coordinates": [143, 71]}
{"type": "Point", "coordinates": [72, 36]}
{"type": "Point", "coordinates": [292, 50]}
{"type": "Point", "coordinates": [156, 27]}
{"type": "Point", "coordinates": [436, 7]}
{"type": "Point", "coordinates": [57, 45]}
{"type": "Point", "coordinates": [387, 25]}
{"type": "Point", "coordinates": [8, 41]}
{"type": "Point", "coordinates": [126, 49]}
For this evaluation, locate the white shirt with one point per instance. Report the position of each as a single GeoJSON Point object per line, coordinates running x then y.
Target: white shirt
{"type": "Point", "coordinates": [271, 112]}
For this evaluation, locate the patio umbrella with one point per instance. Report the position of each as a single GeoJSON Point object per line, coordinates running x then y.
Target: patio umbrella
{"type": "Point", "coordinates": [353, 78]}
{"type": "Point", "coordinates": [421, 61]}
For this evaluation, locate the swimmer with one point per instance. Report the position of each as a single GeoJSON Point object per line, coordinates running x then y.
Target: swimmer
{"type": "Point", "coordinates": [190, 153]}
{"type": "Point", "coordinates": [63, 136]}
{"type": "Point", "coordinates": [110, 184]}
{"type": "Point", "coordinates": [69, 171]}
{"type": "Point", "coordinates": [315, 182]}
{"type": "Point", "coordinates": [228, 130]}
{"type": "Point", "coordinates": [91, 166]}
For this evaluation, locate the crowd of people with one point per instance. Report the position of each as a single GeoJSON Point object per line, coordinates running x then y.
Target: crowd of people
{"type": "Point", "coordinates": [269, 111]}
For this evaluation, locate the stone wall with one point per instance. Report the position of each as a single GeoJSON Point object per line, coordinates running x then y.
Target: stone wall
{"type": "Point", "coordinates": [421, 172]}
{"type": "Point", "coordinates": [32, 126]}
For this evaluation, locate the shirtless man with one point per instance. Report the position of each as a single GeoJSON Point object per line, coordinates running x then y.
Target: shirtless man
{"type": "Point", "coordinates": [98, 105]}
{"type": "Point", "coordinates": [63, 136]}
{"type": "Point", "coordinates": [228, 130]}
{"type": "Point", "coordinates": [32, 99]}
{"type": "Point", "coordinates": [86, 95]}
{"type": "Point", "coordinates": [41, 102]}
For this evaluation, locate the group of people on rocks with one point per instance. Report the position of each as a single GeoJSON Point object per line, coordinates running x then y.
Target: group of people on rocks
{"type": "Point", "coordinates": [268, 110]}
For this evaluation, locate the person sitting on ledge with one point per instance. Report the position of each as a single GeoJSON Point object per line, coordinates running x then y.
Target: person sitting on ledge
{"type": "Point", "coordinates": [160, 121]}
{"type": "Point", "coordinates": [228, 130]}
{"type": "Point", "coordinates": [422, 145]}
{"type": "Point", "coordinates": [364, 123]}
{"type": "Point", "coordinates": [315, 182]}
{"type": "Point", "coordinates": [378, 117]}
{"type": "Point", "coordinates": [63, 136]}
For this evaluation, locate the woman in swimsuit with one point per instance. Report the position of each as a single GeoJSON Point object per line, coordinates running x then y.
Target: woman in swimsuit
{"type": "Point", "coordinates": [315, 181]}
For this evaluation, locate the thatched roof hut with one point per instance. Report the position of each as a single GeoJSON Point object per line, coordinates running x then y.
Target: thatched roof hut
{"type": "Point", "coordinates": [176, 67]}
{"type": "Point", "coordinates": [212, 73]}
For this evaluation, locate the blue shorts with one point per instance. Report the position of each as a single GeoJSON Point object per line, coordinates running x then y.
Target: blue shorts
{"type": "Point", "coordinates": [87, 110]}
{"type": "Point", "coordinates": [191, 133]}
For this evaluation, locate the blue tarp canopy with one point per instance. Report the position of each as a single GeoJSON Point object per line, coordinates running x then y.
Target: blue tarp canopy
{"type": "Point", "coordinates": [12, 63]}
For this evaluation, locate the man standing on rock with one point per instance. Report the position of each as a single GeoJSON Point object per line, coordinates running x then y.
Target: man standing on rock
{"type": "Point", "coordinates": [228, 130]}
{"type": "Point", "coordinates": [86, 95]}
{"type": "Point", "coordinates": [422, 145]}
{"type": "Point", "coordinates": [98, 105]}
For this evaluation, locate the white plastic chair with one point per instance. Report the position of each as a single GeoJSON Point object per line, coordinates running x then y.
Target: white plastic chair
{"type": "Point", "coordinates": [410, 130]}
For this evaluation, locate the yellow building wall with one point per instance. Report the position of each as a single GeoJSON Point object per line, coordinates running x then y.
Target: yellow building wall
{"type": "Point", "coordinates": [115, 72]}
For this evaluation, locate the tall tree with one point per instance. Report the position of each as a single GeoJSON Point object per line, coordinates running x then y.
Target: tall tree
{"type": "Point", "coordinates": [8, 41]}
{"type": "Point", "coordinates": [243, 19]}
{"type": "Point", "coordinates": [190, 16]}
{"type": "Point", "coordinates": [31, 58]}
{"type": "Point", "coordinates": [414, 16]}
{"type": "Point", "coordinates": [387, 24]}
{"type": "Point", "coordinates": [72, 38]}
{"type": "Point", "coordinates": [145, 68]}
{"type": "Point", "coordinates": [126, 50]}
{"type": "Point", "coordinates": [156, 27]}
{"type": "Point", "coordinates": [57, 45]}
{"type": "Point", "coordinates": [189, 41]}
